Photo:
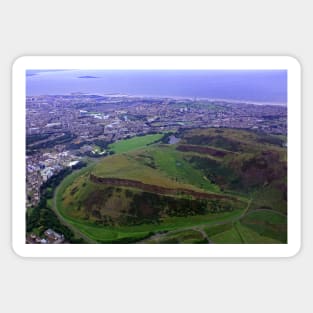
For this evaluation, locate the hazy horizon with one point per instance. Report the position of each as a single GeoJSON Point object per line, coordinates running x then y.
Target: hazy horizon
{"type": "Point", "coordinates": [267, 86]}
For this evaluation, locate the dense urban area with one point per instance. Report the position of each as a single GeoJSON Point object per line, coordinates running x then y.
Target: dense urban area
{"type": "Point", "coordinates": [63, 131]}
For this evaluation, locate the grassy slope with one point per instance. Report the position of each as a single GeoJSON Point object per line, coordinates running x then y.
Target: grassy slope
{"type": "Point", "coordinates": [267, 223]}
{"type": "Point", "coordinates": [250, 236]}
{"type": "Point", "coordinates": [228, 236]}
{"type": "Point", "coordinates": [108, 233]}
{"type": "Point", "coordinates": [237, 233]}
{"type": "Point", "coordinates": [57, 202]}
{"type": "Point", "coordinates": [249, 144]}
{"type": "Point", "coordinates": [171, 170]}
{"type": "Point", "coordinates": [127, 145]}
{"type": "Point", "coordinates": [102, 234]}
{"type": "Point", "coordinates": [171, 165]}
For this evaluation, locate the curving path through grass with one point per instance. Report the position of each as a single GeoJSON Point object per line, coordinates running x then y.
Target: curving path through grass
{"type": "Point", "coordinates": [54, 206]}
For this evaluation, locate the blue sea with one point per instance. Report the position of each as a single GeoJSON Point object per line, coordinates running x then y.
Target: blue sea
{"type": "Point", "coordinates": [262, 86]}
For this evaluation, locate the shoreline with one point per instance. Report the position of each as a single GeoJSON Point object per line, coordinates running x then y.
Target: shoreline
{"type": "Point", "coordinates": [193, 99]}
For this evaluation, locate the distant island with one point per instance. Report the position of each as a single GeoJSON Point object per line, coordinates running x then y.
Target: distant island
{"type": "Point", "coordinates": [88, 76]}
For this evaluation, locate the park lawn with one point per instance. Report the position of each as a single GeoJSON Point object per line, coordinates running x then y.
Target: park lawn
{"type": "Point", "coordinates": [134, 143]}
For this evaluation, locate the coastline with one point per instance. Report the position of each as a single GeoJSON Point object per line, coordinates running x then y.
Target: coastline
{"type": "Point", "coordinates": [194, 99]}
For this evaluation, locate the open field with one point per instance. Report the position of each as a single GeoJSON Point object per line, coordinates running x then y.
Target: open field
{"type": "Point", "coordinates": [127, 145]}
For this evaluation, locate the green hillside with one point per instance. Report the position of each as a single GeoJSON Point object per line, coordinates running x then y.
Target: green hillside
{"type": "Point", "coordinates": [213, 186]}
{"type": "Point", "coordinates": [134, 143]}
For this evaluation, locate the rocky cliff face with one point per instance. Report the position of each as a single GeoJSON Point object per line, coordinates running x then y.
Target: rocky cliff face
{"type": "Point", "coordinates": [156, 189]}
